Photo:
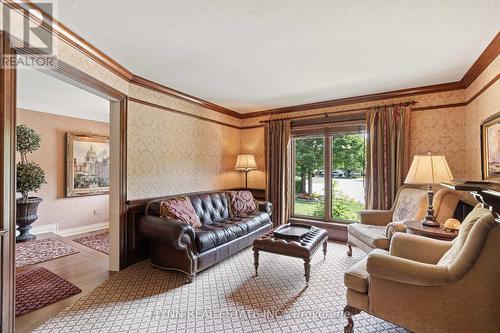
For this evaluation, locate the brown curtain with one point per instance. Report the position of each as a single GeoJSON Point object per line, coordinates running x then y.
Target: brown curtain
{"type": "Point", "coordinates": [387, 153]}
{"type": "Point", "coordinates": [277, 133]}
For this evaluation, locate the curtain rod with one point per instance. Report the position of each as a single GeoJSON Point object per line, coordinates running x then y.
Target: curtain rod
{"type": "Point", "coordinates": [341, 111]}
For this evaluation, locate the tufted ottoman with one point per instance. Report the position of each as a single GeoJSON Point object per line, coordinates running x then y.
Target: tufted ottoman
{"type": "Point", "coordinates": [303, 248]}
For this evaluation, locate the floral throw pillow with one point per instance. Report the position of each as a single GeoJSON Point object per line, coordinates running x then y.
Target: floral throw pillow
{"type": "Point", "coordinates": [180, 208]}
{"type": "Point", "coordinates": [241, 203]}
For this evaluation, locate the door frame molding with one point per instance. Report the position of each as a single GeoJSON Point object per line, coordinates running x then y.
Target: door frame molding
{"type": "Point", "coordinates": [72, 75]}
{"type": "Point", "coordinates": [7, 186]}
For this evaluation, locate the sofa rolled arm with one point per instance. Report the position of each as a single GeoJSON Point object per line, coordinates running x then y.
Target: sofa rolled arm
{"type": "Point", "coordinates": [176, 233]}
{"type": "Point", "coordinates": [266, 207]}
{"type": "Point", "coordinates": [375, 217]}
{"type": "Point", "coordinates": [380, 264]}
{"type": "Point", "coordinates": [418, 248]}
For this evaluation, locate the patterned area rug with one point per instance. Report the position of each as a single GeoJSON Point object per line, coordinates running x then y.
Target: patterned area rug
{"type": "Point", "coordinates": [99, 242]}
{"type": "Point", "coordinates": [40, 287]}
{"type": "Point", "coordinates": [224, 298]}
{"type": "Point", "coordinates": [35, 251]}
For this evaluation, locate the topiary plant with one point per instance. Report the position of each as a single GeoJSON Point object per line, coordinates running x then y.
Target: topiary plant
{"type": "Point", "coordinates": [29, 175]}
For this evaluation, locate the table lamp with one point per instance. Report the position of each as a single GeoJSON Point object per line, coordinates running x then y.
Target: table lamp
{"type": "Point", "coordinates": [429, 169]}
{"type": "Point", "coordinates": [245, 163]}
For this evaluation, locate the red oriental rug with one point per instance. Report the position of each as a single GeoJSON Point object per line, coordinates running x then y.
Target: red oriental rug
{"type": "Point", "coordinates": [40, 287]}
{"type": "Point", "coordinates": [99, 242]}
{"type": "Point", "coordinates": [36, 251]}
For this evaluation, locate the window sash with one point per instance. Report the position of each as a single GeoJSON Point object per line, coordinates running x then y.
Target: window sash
{"type": "Point", "coordinates": [327, 133]}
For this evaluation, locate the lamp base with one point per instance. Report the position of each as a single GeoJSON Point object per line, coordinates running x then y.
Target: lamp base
{"type": "Point", "coordinates": [430, 223]}
{"type": "Point", "coordinates": [429, 219]}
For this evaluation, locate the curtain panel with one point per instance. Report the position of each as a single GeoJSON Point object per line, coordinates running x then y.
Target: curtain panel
{"type": "Point", "coordinates": [278, 162]}
{"type": "Point", "coordinates": [387, 153]}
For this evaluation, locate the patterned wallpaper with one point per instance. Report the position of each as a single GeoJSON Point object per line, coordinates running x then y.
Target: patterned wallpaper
{"type": "Point", "coordinates": [440, 132]}
{"type": "Point", "coordinates": [252, 142]}
{"type": "Point", "coordinates": [170, 153]}
{"type": "Point", "coordinates": [487, 104]}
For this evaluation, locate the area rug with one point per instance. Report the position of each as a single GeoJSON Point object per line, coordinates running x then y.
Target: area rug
{"type": "Point", "coordinates": [36, 251]}
{"type": "Point", "coordinates": [224, 298]}
{"type": "Point", "coordinates": [99, 242]}
{"type": "Point", "coordinates": [40, 287]}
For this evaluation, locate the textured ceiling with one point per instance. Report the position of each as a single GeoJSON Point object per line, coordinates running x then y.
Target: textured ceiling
{"type": "Point", "coordinates": [254, 55]}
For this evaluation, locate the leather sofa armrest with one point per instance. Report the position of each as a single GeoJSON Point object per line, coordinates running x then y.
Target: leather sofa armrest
{"type": "Point", "coordinates": [173, 232]}
{"type": "Point", "coordinates": [375, 217]}
{"type": "Point", "coordinates": [382, 265]}
{"type": "Point", "coordinates": [418, 248]}
{"type": "Point", "coordinates": [266, 207]}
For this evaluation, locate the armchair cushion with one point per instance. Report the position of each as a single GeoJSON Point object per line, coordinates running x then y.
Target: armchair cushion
{"type": "Point", "coordinates": [375, 217]}
{"type": "Point", "coordinates": [380, 264]}
{"type": "Point", "coordinates": [411, 205]}
{"type": "Point", "coordinates": [356, 278]}
{"type": "Point", "coordinates": [372, 235]}
{"type": "Point", "coordinates": [418, 248]}
{"type": "Point", "coordinates": [477, 213]}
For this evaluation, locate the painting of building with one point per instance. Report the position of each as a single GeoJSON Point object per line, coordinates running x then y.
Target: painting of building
{"type": "Point", "coordinates": [87, 165]}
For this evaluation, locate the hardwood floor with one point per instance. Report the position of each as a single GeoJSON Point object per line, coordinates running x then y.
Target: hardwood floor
{"type": "Point", "coordinates": [86, 270]}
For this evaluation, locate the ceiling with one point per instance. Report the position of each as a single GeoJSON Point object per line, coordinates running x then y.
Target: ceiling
{"type": "Point", "coordinates": [255, 55]}
{"type": "Point", "coordinates": [38, 91]}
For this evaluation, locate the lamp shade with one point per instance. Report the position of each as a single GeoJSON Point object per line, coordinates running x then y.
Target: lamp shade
{"type": "Point", "coordinates": [428, 169]}
{"type": "Point", "coordinates": [245, 163]}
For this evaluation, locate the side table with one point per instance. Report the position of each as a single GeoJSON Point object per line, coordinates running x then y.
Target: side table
{"type": "Point", "coordinates": [417, 228]}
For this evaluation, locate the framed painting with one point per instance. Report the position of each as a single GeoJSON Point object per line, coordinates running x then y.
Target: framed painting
{"type": "Point", "coordinates": [87, 164]}
{"type": "Point", "coordinates": [490, 148]}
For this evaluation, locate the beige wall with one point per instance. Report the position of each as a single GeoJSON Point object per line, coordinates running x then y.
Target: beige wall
{"type": "Point", "coordinates": [55, 208]}
{"type": "Point", "coordinates": [485, 105]}
{"type": "Point", "coordinates": [252, 142]}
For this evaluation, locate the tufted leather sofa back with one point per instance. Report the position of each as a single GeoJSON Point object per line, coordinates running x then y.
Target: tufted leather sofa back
{"type": "Point", "coordinates": [210, 207]}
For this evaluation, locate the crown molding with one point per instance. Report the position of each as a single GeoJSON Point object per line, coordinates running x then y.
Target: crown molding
{"type": "Point", "coordinates": [485, 59]}
{"type": "Point", "coordinates": [442, 87]}
{"type": "Point", "coordinates": [140, 81]}
{"type": "Point", "coordinates": [80, 44]}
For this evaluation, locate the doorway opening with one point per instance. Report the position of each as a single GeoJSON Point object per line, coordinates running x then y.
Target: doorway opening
{"type": "Point", "coordinates": [63, 168]}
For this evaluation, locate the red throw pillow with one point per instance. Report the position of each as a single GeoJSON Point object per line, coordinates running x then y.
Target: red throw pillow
{"type": "Point", "coordinates": [180, 208]}
{"type": "Point", "coordinates": [241, 203]}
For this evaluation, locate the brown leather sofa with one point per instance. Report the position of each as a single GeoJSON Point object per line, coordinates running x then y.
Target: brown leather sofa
{"type": "Point", "coordinates": [178, 246]}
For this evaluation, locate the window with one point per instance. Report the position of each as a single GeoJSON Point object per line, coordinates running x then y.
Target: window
{"type": "Point", "coordinates": [309, 172]}
{"type": "Point", "coordinates": [348, 165]}
{"type": "Point", "coordinates": [329, 174]}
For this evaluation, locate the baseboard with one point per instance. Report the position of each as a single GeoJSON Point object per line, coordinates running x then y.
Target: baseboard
{"type": "Point", "coordinates": [41, 229]}
{"type": "Point", "coordinates": [83, 229]}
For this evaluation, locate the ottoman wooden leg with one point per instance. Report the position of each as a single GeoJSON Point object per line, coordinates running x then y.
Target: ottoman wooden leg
{"type": "Point", "coordinates": [349, 250]}
{"type": "Point", "coordinates": [307, 269]}
{"type": "Point", "coordinates": [325, 247]}
{"type": "Point", "coordinates": [256, 261]}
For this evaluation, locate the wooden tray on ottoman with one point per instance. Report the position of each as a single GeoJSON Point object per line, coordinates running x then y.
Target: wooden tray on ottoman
{"type": "Point", "coordinates": [292, 231]}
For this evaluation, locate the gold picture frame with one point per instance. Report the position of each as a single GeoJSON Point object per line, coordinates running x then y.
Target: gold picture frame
{"type": "Point", "coordinates": [87, 164]}
{"type": "Point", "coordinates": [490, 148]}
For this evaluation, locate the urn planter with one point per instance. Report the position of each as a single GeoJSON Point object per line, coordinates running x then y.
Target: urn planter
{"type": "Point", "coordinates": [26, 215]}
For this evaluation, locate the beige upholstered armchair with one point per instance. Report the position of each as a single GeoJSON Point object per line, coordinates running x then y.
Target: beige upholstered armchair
{"type": "Point", "coordinates": [428, 285]}
{"type": "Point", "coordinates": [376, 227]}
